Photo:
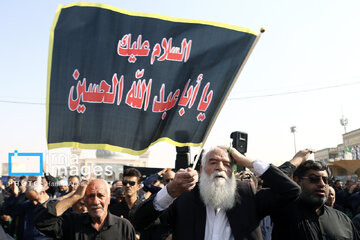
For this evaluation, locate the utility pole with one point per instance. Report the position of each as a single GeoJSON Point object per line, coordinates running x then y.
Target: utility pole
{"type": "Point", "coordinates": [344, 122]}
{"type": "Point", "coordinates": [293, 130]}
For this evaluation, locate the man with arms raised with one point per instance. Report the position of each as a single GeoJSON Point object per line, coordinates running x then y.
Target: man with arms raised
{"type": "Point", "coordinates": [308, 217]}
{"type": "Point", "coordinates": [97, 223]}
{"type": "Point", "coordinates": [218, 208]}
{"type": "Point", "coordinates": [23, 212]}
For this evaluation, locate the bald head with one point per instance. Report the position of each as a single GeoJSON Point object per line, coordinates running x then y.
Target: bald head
{"type": "Point", "coordinates": [169, 176]}
{"type": "Point", "coordinates": [331, 197]}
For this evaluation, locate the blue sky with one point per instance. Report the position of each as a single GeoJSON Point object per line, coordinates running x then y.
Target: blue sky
{"type": "Point", "coordinates": [307, 45]}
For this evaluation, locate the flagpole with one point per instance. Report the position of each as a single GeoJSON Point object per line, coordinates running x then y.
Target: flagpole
{"type": "Point", "coordinates": [262, 30]}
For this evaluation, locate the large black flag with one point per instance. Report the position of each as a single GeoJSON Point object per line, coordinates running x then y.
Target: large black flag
{"type": "Point", "coordinates": [122, 81]}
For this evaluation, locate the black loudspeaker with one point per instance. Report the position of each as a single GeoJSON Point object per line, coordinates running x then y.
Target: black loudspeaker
{"type": "Point", "coordinates": [182, 158]}
{"type": "Point", "coordinates": [239, 142]}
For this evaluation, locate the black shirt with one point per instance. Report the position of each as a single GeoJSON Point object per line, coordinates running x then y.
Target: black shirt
{"type": "Point", "coordinates": [121, 209]}
{"type": "Point", "coordinates": [79, 226]}
{"type": "Point", "coordinates": [299, 221]}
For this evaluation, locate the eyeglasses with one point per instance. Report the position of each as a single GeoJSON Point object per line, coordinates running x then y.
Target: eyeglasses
{"type": "Point", "coordinates": [316, 179]}
{"type": "Point", "coordinates": [131, 183]}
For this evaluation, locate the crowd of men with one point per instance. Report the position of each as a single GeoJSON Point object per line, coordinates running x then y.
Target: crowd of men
{"type": "Point", "coordinates": [297, 200]}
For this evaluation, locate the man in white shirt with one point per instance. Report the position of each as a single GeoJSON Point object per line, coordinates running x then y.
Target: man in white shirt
{"type": "Point", "coordinates": [218, 207]}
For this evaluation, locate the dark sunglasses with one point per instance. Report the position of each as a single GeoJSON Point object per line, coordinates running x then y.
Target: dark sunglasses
{"type": "Point", "coordinates": [316, 179]}
{"type": "Point", "coordinates": [131, 183]}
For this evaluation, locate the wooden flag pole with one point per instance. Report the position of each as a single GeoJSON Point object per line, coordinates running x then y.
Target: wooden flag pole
{"type": "Point", "coordinates": [262, 30]}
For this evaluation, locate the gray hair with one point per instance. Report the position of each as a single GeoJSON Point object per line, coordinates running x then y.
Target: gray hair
{"type": "Point", "coordinates": [35, 186]}
{"type": "Point", "coordinates": [206, 154]}
{"type": "Point", "coordinates": [101, 180]}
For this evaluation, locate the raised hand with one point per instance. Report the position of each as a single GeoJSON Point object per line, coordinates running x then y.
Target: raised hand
{"type": "Point", "coordinates": [184, 181]}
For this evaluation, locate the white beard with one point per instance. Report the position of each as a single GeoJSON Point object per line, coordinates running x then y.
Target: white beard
{"type": "Point", "coordinates": [218, 192]}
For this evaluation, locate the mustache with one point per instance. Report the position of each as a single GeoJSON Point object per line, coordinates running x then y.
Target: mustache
{"type": "Point", "coordinates": [96, 207]}
{"type": "Point", "coordinates": [219, 174]}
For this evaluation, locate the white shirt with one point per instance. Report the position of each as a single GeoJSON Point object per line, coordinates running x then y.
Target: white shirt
{"type": "Point", "coordinates": [217, 224]}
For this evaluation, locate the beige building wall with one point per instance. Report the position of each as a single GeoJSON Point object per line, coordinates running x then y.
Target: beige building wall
{"type": "Point", "coordinates": [326, 154]}
{"type": "Point", "coordinates": [352, 138]}
{"type": "Point", "coordinates": [340, 161]}
{"type": "Point", "coordinates": [4, 169]}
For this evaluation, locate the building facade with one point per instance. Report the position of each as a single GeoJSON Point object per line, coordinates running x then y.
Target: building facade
{"type": "Point", "coordinates": [344, 160]}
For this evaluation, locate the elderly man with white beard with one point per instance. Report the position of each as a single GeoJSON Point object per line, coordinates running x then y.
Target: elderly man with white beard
{"type": "Point", "coordinates": [217, 207]}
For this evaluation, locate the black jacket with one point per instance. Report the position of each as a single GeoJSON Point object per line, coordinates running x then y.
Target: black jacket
{"type": "Point", "coordinates": [299, 221]}
{"type": "Point", "coordinates": [187, 215]}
